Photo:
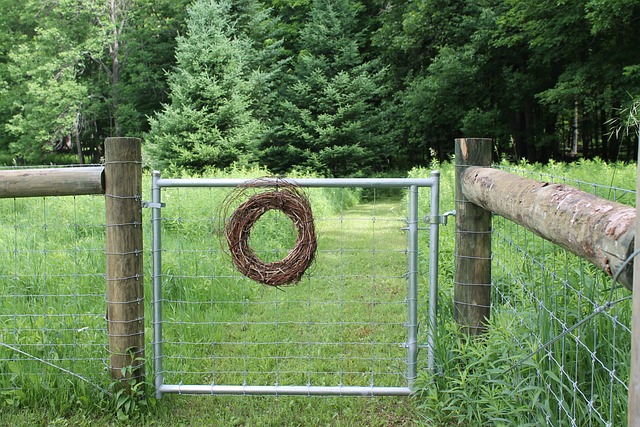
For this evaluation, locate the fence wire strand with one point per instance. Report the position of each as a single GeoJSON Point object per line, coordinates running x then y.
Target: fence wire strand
{"type": "Point", "coordinates": [573, 318]}
{"type": "Point", "coordinates": [344, 324]}
{"type": "Point", "coordinates": [52, 319]}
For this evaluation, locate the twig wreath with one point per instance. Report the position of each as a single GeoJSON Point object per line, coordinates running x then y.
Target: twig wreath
{"type": "Point", "coordinates": [269, 194]}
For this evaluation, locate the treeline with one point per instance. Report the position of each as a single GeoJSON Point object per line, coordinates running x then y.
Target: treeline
{"type": "Point", "coordinates": [337, 87]}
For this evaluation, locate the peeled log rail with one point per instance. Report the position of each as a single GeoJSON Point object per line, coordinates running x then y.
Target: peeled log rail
{"type": "Point", "coordinates": [51, 182]}
{"type": "Point", "coordinates": [593, 228]}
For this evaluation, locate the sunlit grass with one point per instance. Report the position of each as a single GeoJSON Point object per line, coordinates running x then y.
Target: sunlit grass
{"type": "Point", "coordinates": [329, 329]}
{"type": "Point", "coordinates": [528, 370]}
{"type": "Point", "coordinates": [503, 379]}
{"type": "Point", "coordinates": [343, 324]}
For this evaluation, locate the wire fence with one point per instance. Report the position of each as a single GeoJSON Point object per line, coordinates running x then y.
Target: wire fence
{"type": "Point", "coordinates": [52, 294]}
{"type": "Point", "coordinates": [567, 312]}
{"type": "Point", "coordinates": [343, 325]}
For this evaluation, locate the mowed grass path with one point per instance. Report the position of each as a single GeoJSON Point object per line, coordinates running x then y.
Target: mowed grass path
{"type": "Point", "coordinates": [343, 324]}
{"type": "Point", "coordinates": [352, 300]}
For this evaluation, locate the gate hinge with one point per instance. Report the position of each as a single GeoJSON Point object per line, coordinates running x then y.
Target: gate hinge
{"type": "Point", "coordinates": [439, 219]}
{"type": "Point", "coordinates": [153, 205]}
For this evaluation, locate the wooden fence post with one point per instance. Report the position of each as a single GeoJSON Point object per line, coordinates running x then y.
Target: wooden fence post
{"type": "Point", "coordinates": [51, 182]}
{"type": "Point", "coordinates": [472, 269]}
{"type": "Point", "coordinates": [125, 292]}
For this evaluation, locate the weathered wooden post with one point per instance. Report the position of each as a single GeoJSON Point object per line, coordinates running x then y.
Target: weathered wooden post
{"type": "Point", "coordinates": [125, 292]}
{"type": "Point", "coordinates": [472, 276]}
{"type": "Point", "coordinates": [51, 182]}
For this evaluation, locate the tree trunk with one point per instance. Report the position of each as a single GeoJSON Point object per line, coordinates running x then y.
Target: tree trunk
{"type": "Point", "coordinates": [117, 17]}
{"type": "Point", "coordinates": [587, 135]}
{"type": "Point", "coordinates": [517, 127]}
{"type": "Point", "coordinates": [576, 131]}
{"type": "Point", "coordinates": [633, 147]}
{"type": "Point", "coordinates": [614, 142]}
{"type": "Point", "coordinates": [529, 131]}
{"type": "Point", "coordinates": [604, 139]}
{"type": "Point", "coordinates": [78, 143]}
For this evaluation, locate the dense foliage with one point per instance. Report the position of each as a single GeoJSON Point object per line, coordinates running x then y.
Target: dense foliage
{"type": "Point", "coordinates": [339, 87]}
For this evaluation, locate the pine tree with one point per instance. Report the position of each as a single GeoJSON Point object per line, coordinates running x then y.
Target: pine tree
{"type": "Point", "coordinates": [329, 118]}
{"type": "Point", "coordinates": [209, 120]}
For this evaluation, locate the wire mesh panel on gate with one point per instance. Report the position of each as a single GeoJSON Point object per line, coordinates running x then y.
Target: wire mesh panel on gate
{"type": "Point", "coordinates": [343, 325]}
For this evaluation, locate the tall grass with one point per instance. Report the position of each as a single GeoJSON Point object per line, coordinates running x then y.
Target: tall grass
{"type": "Point", "coordinates": [343, 324]}
{"type": "Point", "coordinates": [52, 311]}
{"type": "Point", "coordinates": [530, 369]}
{"type": "Point", "coordinates": [51, 300]}
{"type": "Point", "coordinates": [527, 370]}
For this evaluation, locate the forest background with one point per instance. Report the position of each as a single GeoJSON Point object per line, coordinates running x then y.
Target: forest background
{"type": "Point", "coordinates": [332, 87]}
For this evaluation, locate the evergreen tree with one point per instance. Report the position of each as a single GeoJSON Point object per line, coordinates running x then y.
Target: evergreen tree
{"type": "Point", "coordinates": [150, 43]}
{"type": "Point", "coordinates": [209, 121]}
{"type": "Point", "coordinates": [329, 118]}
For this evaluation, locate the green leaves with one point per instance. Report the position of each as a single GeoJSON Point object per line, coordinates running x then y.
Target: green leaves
{"type": "Point", "coordinates": [47, 95]}
{"type": "Point", "coordinates": [208, 122]}
{"type": "Point", "coordinates": [400, 80]}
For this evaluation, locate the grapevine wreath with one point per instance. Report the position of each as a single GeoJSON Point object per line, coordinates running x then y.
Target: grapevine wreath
{"type": "Point", "coordinates": [268, 194]}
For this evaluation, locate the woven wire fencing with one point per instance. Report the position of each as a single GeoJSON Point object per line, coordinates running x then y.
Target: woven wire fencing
{"type": "Point", "coordinates": [565, 311]}
{"type": "Point", "coordinates": [52, 294]}
{"type": "Point", "coordinates": [343, 324]}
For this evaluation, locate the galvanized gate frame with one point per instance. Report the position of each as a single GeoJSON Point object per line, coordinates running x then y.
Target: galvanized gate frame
{"type": "Point", "coordinates": [434, 219]}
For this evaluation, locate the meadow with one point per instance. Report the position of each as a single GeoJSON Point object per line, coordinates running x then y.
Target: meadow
{"type": "Point", "coordinates": [52, 308]}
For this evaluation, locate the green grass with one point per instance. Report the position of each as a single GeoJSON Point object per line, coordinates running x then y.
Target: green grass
{"type": "Point", "coordinates": [51, 250]}
{"type": "Point", "coordinates": [340, 324]}
{"type": "Point", "coordinates": [525, 371]}
{"type": "Point", "coordinates": [337, 319]}
{"type": "Point", "coordinates": [178, 411]}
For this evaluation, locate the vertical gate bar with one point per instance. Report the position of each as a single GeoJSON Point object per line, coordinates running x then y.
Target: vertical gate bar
{"type": "Point", "coordinates": [413, 285]}
{"type": "Point", "coordinates": [157, 282]}
{"type": "Point", "coordinates": [434, 237]}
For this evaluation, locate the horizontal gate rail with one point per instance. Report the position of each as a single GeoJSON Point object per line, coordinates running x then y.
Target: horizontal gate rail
{"type": "Point", "coordinates": [287, 390]}
{"type": "Point", "coordinates": [304, 182]}
{"type": "Point", "coordinates": [412, 278]}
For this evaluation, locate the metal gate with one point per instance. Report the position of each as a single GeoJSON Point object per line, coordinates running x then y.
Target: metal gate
{"type": "Point", "coordinates": [340, 331]}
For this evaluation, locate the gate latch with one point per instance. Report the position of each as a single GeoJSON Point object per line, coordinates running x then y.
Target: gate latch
{"type": "Point", "coordinates": [439, 219]}
{"type": "Point", "coordinates": [153, 205]}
